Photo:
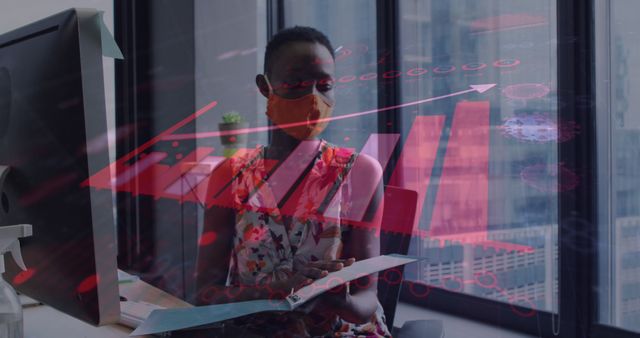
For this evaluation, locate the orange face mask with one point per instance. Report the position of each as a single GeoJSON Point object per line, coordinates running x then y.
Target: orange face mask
{"type": "Point", "coordinates": [301, 118]}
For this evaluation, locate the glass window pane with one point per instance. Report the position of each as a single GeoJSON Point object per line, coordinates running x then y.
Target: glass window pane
{"type": "Point", "coordinates": [226, 65]}
{"type": "Point", "coordinates": [484, 164]}
{"type": "Point", "coordinates": [619, 163]}
{"type": "Point", "coordinates": [350, 25]}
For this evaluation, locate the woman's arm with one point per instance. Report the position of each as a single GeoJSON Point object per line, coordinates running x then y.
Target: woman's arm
{"type": "Point", "coordinates": [214, 256]}
{"type": "Point", "coordinates": [361, 302]}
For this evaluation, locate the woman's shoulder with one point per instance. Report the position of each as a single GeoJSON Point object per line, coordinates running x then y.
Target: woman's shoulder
{"type": "Point", "coordinates": [334, 155]}
{"type": "Point", "coordinates": [243, 158]}
{"type": "Point", "coordinates": [342, 156]}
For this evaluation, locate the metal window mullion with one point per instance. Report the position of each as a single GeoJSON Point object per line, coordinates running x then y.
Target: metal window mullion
{"type": "Point", "coordinates": [275, 17]}
{"type": "Point", "coordinates": [387, 41]}
{"type": "Point", "coordinates": [131, 33]}
{"type": "Point", "coordinates": [275, 23]}
{"type": "Point", "coordinates": [577, 207]}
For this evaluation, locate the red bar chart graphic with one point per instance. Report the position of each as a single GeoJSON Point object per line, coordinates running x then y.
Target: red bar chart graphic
{"type": "Point", "coordinates": [461, 204]}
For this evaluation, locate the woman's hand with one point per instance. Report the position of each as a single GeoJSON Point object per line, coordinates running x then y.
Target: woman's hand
{"type": "Point", "coordinates": [334, 299]}
{"type": "Point", "coordinates": [330, 304]}
{"type": "Point", "coordinates": [320, 269]}
{"type": "Point", "coordinates": [305, 275]}
{"type": "Point", "coordinates": [282, 288]}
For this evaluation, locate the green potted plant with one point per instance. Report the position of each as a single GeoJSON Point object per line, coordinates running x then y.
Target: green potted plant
{"type": "Point", "coordinates": [233, 121]}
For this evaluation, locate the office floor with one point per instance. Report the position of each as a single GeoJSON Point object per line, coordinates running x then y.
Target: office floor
{"type": "Point", "coordinates": [454, 327]}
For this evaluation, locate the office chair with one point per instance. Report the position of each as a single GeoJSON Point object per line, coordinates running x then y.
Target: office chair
{"type": "Point", "coordinates": [397, 225]}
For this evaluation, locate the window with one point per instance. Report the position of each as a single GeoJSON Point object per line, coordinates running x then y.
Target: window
{"type": "Point", "coordinates": [487, 165]}
{"type": "Point", "coordinates": [619, 165]}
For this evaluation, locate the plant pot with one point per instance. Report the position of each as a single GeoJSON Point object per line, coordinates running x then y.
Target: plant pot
{"type": "Point", "coordinates": [236, 140]}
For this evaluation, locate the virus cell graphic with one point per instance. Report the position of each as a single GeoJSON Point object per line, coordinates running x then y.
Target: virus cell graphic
{"type": "Point", "coordinates": [506, 63]}
{"type": "Point", "coordinates": [525, 91]}
{"type": "Point", "coordinates": [550, 177]}
{"type": "Point", "coordinates": [539, 128]}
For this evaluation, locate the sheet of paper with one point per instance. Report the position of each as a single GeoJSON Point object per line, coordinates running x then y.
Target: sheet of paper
{"type": "Point", "coordinates": [184, 318]}
{"type": "Point", "coordinates": [177, 319]}
{"type": "Point", "coordinates": [353, 272]}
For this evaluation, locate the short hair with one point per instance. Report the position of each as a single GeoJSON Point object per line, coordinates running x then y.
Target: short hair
{"type": "Point", "coordinates": [294, 34]}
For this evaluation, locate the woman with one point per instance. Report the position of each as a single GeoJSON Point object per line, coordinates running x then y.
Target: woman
{"type": "Point", "coordinates": [270, 238]}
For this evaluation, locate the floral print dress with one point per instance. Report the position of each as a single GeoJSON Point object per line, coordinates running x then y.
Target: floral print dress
{"type": "Point", "coordinates": [269, 246]}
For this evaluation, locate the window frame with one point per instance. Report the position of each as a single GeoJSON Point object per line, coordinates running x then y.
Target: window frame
{"type": "Point", "coordinates": [578, 296]}
{"type": "Point", "coordinates": [575, 317]}
{"type": "Point", "coordinates": [458, 304]}
{"type": "Point", "coordinates": [131, 22]}
{"type": "Point", "coordinates": [577, 244]}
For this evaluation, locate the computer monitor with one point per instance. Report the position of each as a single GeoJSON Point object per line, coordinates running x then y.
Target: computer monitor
{"type": "Point", "coordinates": [52, 106]}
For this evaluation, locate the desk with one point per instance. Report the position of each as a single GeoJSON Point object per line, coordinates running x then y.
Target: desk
{"type": "Point", "coordinates": [44, 321]}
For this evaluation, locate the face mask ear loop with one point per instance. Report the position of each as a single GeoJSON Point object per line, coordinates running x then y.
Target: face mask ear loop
{"type": "Point", "coordinates": [319, 95]}
{"type": "Point", "coordinates": [266, 78]}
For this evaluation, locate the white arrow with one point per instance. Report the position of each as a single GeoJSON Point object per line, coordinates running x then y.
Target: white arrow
{"type": "Point", "coordinates": [480, 88]}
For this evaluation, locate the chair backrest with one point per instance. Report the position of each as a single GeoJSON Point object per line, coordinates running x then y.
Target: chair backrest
{"type": "Point", "coordinates": [395, 236]}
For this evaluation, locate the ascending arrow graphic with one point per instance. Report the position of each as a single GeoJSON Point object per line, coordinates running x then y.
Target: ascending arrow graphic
{"type": "Point", "coordinates": [480, 88]}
